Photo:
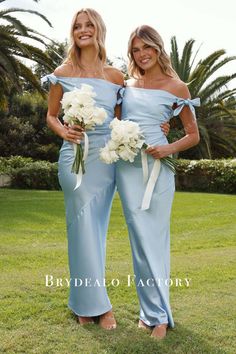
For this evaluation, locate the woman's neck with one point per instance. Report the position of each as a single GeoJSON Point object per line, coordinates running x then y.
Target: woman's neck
{"type": "Point", "coordinates": [89, 59]}
{"type": "Point", "coordinates": [153, 73]}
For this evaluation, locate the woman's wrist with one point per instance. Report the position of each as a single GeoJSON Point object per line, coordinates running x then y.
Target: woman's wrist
{"type": "Point", "coordinates": [172, 148]}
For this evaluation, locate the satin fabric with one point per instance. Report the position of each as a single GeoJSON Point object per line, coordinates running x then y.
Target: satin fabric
{"type": "Point", "coordinates": [88, 207]}
{"type": "Point", "coordinates": [149, 230]}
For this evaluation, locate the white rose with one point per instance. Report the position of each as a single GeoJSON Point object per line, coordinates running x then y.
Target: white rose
{"type": "Point", "coordinates": [67, 100]}
{"type": "Point", "coordinates": [72, 115]}
{"type": "Point", "coordinates": [114, 123]}
{"type": "Point", "coordinates": [88, 89]}
{"type": "Point", "coordinates": [112, 145]}
{"type": "Point", "coordinates": [67, 119]}
{"type": "Point", "coordinates": [100, 115]}
{"type": "Point", "coordinates": [86, 113]}
{"type": "Point", "coordinates": [108, 156]}
{"type": "Point", "coordinates": [127, 154]}
{"type": "Point", "coordinates": [118, 134]}
{"type": "Point", "coordinates": [83, 99]}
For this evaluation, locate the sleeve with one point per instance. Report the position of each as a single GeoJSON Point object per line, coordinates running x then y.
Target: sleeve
{"type": "Point", "coordinates": [51, 78]}
{"type": "Point", "coordinates": [120, 95]}
{"type": "Point", "coordinates": [181, 103]}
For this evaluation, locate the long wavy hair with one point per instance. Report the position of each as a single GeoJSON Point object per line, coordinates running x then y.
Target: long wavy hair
{"type": "Point", "coordinates": [73, 53]}
{"type": "Point", "coordinates": [152, 38]}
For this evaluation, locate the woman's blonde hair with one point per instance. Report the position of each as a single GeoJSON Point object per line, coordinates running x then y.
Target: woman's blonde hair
{"type": "Point", "coordinates": [152, 38]}
{"type": "Point", "coordinates": [73, 53]}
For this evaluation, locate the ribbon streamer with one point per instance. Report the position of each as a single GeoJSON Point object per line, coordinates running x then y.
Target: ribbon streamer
{"type": "Point", "coordinates": [151, 182]}
{"type": "Point", "coordinates": [85, 155]}
{"type": "Point", "coordinates": [144, 166]}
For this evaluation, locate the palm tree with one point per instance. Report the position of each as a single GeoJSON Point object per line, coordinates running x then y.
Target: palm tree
{"type": "Point", "coordinates": [13, 48]}
{"type": "Point", "coordinates": [217, 114]}
{"type": "Point", "coordinates": [57, 52]}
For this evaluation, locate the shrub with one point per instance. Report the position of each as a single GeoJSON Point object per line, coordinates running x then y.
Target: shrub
{"type": "Point", "coordinates": [23, 129]}
{"type": "Point", "coordinates": [218, 176]}
{"type": "Point", "coordinates": [8, 164]}
{"type": "Point", "coordinates": [36, 175]}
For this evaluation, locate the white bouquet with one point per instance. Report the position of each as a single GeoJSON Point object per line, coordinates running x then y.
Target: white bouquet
{"type": "Point", "coordinates": [125, 143]}
{"type": "Point", "coordinates": [79, 108]}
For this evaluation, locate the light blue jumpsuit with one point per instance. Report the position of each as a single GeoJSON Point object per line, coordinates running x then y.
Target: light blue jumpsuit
{"type": "Point", "coordinates": [149, 230]}
{"type": "Point", "coordinates": [88, 207]}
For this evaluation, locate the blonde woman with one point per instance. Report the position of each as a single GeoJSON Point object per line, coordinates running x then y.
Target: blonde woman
{"type": "Point", "coordinates": [153, 95]}
{"type": "Point", "coordinates": [88, 207]}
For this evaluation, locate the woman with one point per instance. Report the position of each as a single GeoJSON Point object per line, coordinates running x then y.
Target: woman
{"type": "Point", "coordinates": [87, 207]}
{"type": "Point", "coordinates": [152, 96]}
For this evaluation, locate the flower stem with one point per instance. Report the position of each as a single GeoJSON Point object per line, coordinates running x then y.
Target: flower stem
{"type": "Point", "coordinates": [168, 161]}
{"type": "Point", "coordinates": [78, 161]}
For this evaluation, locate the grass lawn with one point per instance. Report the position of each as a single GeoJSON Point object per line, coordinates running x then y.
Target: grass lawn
{"type": "Point", "coordinates": [35, 318]}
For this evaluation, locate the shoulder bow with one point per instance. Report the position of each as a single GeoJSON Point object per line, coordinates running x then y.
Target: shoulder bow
{"type": "Point", "coordinates": [49, 78]}
{"type": "Point", "coordinates": [120, 95]}
{"type": "Point", "coordinates": [181, 102]}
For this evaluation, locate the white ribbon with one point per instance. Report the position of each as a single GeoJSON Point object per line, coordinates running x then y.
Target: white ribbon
{"type": "Point", "coordinates": [86, 146]}
{"type": "Point", "coordinates": [85, 155]}
{"type": "Point", "coordinates": [144, 166]}
{"type": "Point", "coordinates": [152, 179]}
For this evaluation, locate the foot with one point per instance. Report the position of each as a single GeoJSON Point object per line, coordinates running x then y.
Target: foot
{"type": "Point", "coordinates": [143, 325]}
{"type": "Point", "coordinates": [107, 321]}
{"type": "Point", "coordinates": [159, 332]}
{"type": "Point", "coordinates": [84, 320]}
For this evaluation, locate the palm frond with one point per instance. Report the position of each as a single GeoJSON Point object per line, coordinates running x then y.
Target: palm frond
{"type": "Point", "coordinates": [16, 24]}
{"type": "Point", "coordinates": [174, 54]}
{"type": "Point", "coordinates": [185, 66]}
{"type": "Point", "coordinates": [7, 11]}
{"type": "Point", "coordinates": [216, 86]}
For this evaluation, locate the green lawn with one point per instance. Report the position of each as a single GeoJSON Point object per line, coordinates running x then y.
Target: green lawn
{"type": "Point", "coordinates": [35, 318]}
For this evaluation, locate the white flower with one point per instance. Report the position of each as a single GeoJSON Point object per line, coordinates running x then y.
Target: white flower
{"type": "Point", "coordinates": [79, 108]}
{"type": "Point", "coordinates": [88, 89]}
{"type": "Point", "coordinates": [99, 115]}
{"type": "Point", "coordinates": [83, 99]}
{"type": "Point", "coordinates": [114, 123]}
{"type": "Point", "coordinates": [126, 141]}
{"type": "Point", "coordinates": [127, 154]}
{"type": "Point", "coordinates": [112, 145]}
{"type": "Point", "coordinates": [67, 99]}
{"type": "Point", "coordinates": [125, 132]}
{"type": "Point", "coordinates": [86, 114]}
{"type": "Point", "coordinates": [119, 135]}
{"type": "Point", "coordinates": [108, 156]}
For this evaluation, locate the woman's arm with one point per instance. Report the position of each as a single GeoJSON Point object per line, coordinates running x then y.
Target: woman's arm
{"type": "Point", "coordinates": [72, 134]}
{"type": "Point", "coordinates": [191, 137]}
{"type": "Point", "coordinates": [118, 111]}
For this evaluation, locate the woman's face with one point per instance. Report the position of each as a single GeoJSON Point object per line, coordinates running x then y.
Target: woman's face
{"type": "Point", "coordinates": [144, 55]}
{"type": "Point", "coordinates": [84, 31]}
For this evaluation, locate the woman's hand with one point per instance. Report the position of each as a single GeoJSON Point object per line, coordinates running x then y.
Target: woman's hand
{"type": "Point", "coordinates": [165, 127]}
{"type": "Point", "coordinates": [73, 134]}
{"type": "Point", "coordinates": [157, 152]}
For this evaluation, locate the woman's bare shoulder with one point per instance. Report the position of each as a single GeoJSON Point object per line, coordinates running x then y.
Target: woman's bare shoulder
{"type": "Point", "coordinates": [65, 70]}
{"type": "Point", "coordinates": [114, 75]}
{"type": "Point", "coordinates": [131, 82]}
{"type": "Point", "coordinates": [179, 88]}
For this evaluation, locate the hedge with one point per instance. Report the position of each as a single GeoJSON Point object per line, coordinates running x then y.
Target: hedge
{"type": "Point", "coordinates": [218, 176]}
{"type": "Point", "coordinates": [28, 174]}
